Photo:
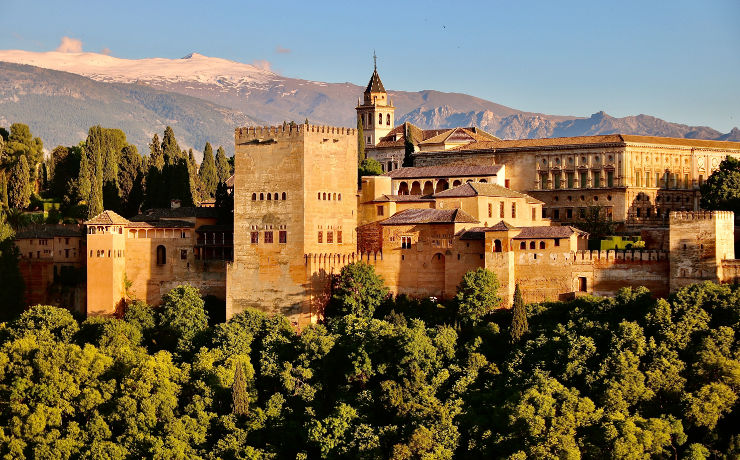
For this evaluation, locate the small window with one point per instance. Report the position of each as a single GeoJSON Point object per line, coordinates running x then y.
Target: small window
{"type": "Point", "coordinates": [534, 213]}
{"type": "Point", "coordinates": [513, 210]}
{"type": "Point", "coordinates": [335, 197]}
{"type": "Point", "coordinates": [522, 245]}
{"type": "Point", "coordinates": [405, 242]}
{"type": "Point", "coordinates": [161, 255]}
{"type": "Point", "coordinates": [380, 118]}
{"type": "Point", "coordinates": [339, 237]}
{"type": "Point", "coordinates": [388, 119]}
{"type": "Point", "coordinates": [268, 237]}
{"type": "Point", "coordinates": [318, 197]}
{"type": "Point", "coordinates": [329, 237]}
{"type": "Point", "coordinates": [284, 196]}
{"type": "Point", "coordinates": [324, 196]}
{"type": "Point", "coordinates": [321, 237]}
{"type": "Point", "coordinates": [339, 197]}
{"type": "Point", "coordinates": [183, 254]}
{"type": "Point", "coordinates": [490, 210]}
{"type": "Point", "coordinates": [283, 236]}
{"type": "Point", "coordinates": [502, 210]}
{"type": "Point", "coordinates": [254, 197]}
{"type": "Point", "coordinates": [532, 245]}
{"type": "Point", "coordinates": [582, 283]}
{"type": "Point", "coordinates": [542, 245]}
{"type": "Point", "coordinates": [262, 196]}
{"type": "Point", "coordinates": [255, 237]}
{"type": "Point", "coordinates": [269, 197]}
{"type": "Point", "coordinates": [380, 210]}
{"type": "Point", "coordinates": [557, 241]}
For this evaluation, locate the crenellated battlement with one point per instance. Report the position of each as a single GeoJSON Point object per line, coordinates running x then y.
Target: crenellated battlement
{"type": "Point", "coordinates": [636, 255]}
{"type": "Point", "coordinates": [249, 133]}
{"type": "Point", "coordinates": [679, 216]}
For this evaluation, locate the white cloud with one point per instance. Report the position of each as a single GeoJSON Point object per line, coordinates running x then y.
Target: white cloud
{"type": "Point", "coordinates": [70, 45]}
{"type": "Point", "coordinates": [105, 51]}
{"type": "Point", "coordinates": [262, 65]}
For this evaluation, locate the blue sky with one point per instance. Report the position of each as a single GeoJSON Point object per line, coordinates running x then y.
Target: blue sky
{"type": "Point", "coordinates": [676, 60]}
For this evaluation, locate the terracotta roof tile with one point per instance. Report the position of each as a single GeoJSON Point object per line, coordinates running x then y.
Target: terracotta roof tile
{"type": "Point", "coordinates": [483, 189]}
{"type": "Point", "coordinates": [444, 171]}
{"type": "Point", "coordinates": [460, 135]}
{"type": "Point", "coordinates": [547, 232]}
{"type": "Point", "coordinates": [429, 216]}
{"type": "Point", "coordinates": [176, 213]}
{"type": "Point", "coordinates": [502, 226]}
{"type": "Point", "coordinates": [107, 218]}
{"type": "Point", "coordinates": [375, 85]}
{"type": "Point", "coordinates": [420, 135]}
{"type": "Point", "coordinates": [49, 231]}
{"type": "Point", "coordinates": [405, 198]}
{"type": "Point", "coordinates": [165, 223]}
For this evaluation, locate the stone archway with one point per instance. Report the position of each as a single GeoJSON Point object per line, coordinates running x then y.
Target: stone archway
{"type": "Point", "coordinates": [428, 188]}
{"type": "Point", "coordinates": [442, 184]}
{"type": "Point", "coordinates": [415, 188]}
{"type": "Point", "coordinates": [403, 188]}
{"type": "Point", "coordinates": [456, 183]}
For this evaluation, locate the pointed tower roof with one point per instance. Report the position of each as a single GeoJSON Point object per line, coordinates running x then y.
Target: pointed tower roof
{"type": "Point", "coordinates": [375, 85]}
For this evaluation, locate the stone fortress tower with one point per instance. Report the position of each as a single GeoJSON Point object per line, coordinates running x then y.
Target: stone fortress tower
{"type": "Point", "coordinates": [295, 193]}
{"type": "Point", "coordinates": [375, 112]}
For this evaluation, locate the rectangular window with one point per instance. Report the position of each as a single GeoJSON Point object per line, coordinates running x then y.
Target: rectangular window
{"type": "Point", "coordinates": [66, 253]}
{"type": "Point", "coordinates": [582, 283]}
{"type": "Point", "coordinates": [543, 181]}
{"type": "Point", "coordinates": [502, 210]}
{"type": "Point", "coordinates": [610, 178]}
{"type": "Point", "coordinates": [321, 237]}
{"type": "Point", "coordinates": [584, 180]}
{"type": "Point", "coordinates": [183, 254]}
{"type": "Point", "coordinates": [513, 210]}
{"type": "Point", "coordinates": [339, 237]}
{"type": "Point", "coordinates": [283, 236]}
{"type": "Point", "coordinates": [268, 237]}
{"type": "Point", "coordinates": [637, 211]}
{"type": "Point", "coordinates": [638, 176]}
{"type": "Point", "coordinates": [380, 210]}
{"type": "Point", "coordinates": [557, 241]}
{"type": "Point", "coordinates": [329, 237]}
{"type": "Point", "coordinates": [582, 213]}
{"type": "Point", "coordinates": [686, 181]}
{"type": "Point", "coordinates": [647, 179]}
{"type": "Point", "coordinates": [405, 242]}
{"type": "Point", "coordinates": [534, 213]}
{"type": "Point", "coordinates": [255, 237]}
{"type": "Point", "coordinates": [596, 179]}
{"type": "Point", "coordinates": [568, 215]}
{"type": "Point", "coordinates": [490, 210]}
{"type": "Point", "coordinates": [556, 180]}
{"type": "Point", "coordinates": [556, 214]}
{"type": "Point", "coordinates": [544, 213]}
{"type": "Point", "coordinates": [570, 178]}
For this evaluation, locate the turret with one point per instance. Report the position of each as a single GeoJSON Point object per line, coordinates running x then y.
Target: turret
{"type": "Point", "coordinates": [375, 112]}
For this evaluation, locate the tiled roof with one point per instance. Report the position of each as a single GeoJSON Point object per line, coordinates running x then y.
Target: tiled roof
{"type": "Point", "coordinates": [460, 135]}
{"type": "Point", "coordinates": [420, 135]}
{"type": "Point", "coordinates": [176, 213]}
{"type": "Point", "coordinates": [405, 198]}
{"type": "Point", "coordinates": [429, 216]}
{"type": "Point", "coordinates": [593, 140]}
{"type": "Point", "coordinates": [547, 232]}
{"type": "Point", "coordinates": [483, 189]}
{"type": "Point", "coordinates": [166, 223]}
{"type": "Point", "coordinates": [444, 171]}
{"type": "Point", "coordinates": [107, 218]}
{"type": "Point", "coordinates": [502, 226]}
{"type": "Point", "coordinates": [375, 85]}
{"type": "Point", "coordinates": [472, 234]}
{"type": "Point", "coordinates": [49, 231]}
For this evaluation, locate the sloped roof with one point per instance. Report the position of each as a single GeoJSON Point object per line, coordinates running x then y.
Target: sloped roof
{"type": "Point", "coordinates": [483, 189]}
{"type": "Point", "coordinates": [621, 139]}
{"type": "Point", "coordinates": [458, 135]}
{"type": "Point", "coordinates": [375, 85]}
{"type": "Point", "coordinates": [429, 216]}
{"type": "Point", "coordinates": [421, 135]}
{"type": "Point", "coordinates": [107, 218]}
{"type": "Point", "coordinates": [502, 226]}
{"type": "Point", "coordinates": [49, 231]}
{"type": "Point", "coordinates": [547, 232]}
{"type": "Point", "coordinates": [472, 234]}
{"type": "Point", "coordinates": [166, 223]}
{"type": "Point", "coordinates": [443, 171]}
{"type": "Point", "coordinates": [176, 213]}
{"type": "Point", "coordinates": [405, 198]}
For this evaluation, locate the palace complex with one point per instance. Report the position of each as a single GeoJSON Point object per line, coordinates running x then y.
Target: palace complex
{"type": "Point", "coordinates": [470, 200]}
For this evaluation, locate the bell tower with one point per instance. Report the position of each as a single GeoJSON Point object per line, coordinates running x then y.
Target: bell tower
{"type": "Point", "coordinates": [375, 111]}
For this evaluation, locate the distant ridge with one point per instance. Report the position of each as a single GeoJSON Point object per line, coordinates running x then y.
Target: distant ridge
{"type": "Point", "coordinates": [257, 93]}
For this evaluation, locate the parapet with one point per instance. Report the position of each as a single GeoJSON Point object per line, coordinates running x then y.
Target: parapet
{"type": "Point", "coordinates": [249, 133]}
{"type": "Point", "coordinates": [679, 216]}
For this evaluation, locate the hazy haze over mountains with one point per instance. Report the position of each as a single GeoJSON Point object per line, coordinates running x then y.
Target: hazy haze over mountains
{"type": "Point", "coordinates": [239, 94]}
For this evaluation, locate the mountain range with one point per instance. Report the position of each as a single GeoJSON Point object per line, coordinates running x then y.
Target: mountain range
{"type": "Point", "coordinates": [61, 94]}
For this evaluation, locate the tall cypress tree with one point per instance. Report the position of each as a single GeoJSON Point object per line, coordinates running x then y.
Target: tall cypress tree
{"type": "Point", "coordinates": [94, 145]}
{"type": "Point", "coordinates": [240, 398]}
{"type": "Point", "coordinates": [208, 174]}
{"type": "Point", "coordinates": [222, 165]}
{"type": "Point", "coordinates": [155, 190]}
{"type": "Point", "coordinates": [408, 160]}
{"type": "Point", "coordinates": [19, 190]}
{"type": "Point", "coordinates": [519, 325]}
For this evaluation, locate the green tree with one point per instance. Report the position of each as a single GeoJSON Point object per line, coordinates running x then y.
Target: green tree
{"type": "Point", "coordinates": [19, 190]}
{"type": "Point", "coordinates": [182, 317]}
{"type": "Point", "coordinates": [409, 146]}
{"type": "Point", "coordinates": [721, 191]}
{"type": "Point", "coordinates": [22, 143]}
{"type": "Point", "coordinates": [370, 167]}
{"type": "Point", "coordinates": [240, 398]}
{"type": "Point", "coordinates": [222, 165]}
{"type": "Point", "coordinates": [358, 291]}
{"type": "Point", "coordinates": [131, 180]}
{"type": "Point", "coordinates": [156, 192]}
{"type": "Point", "coordinates": [208, 173]}
{"type": "Point", "coordinates": [596, 223]}
{"type": "Point", "coordinates": [477, 295]}
{"type": "Point", "coordinates": [519, 325]}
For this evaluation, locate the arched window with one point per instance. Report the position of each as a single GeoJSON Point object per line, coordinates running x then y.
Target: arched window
{"type": "Point", "coordinates": [380, 118]}
{"type": "Point", "coordinates": [318, 196]}
{"type": "Point", "coordinates": [161, 255]}
{"type": "Point", "coordinates": [542, 245]}
{"type": "Point", "coordinates": [284, 196]}
{"type": "Point", "coordinates": [522, 245]}
{"type": "Point", "coordinates": [254, 196]}
{"type": "Point", "coordinates": [531, 245]}
{"type": "Point", "coordinates": [262, 196]}
{"type": "Point", "coordinates": [388, 119]}
{"type": "Point", "coordinates": [324, 195]}
{"type": "Point", "coordinates": [335, 197]}
{"type": "Point", "coordinates": [269, 197]}
{"type": "Point", "coordinates": [496, 245]}
{"type": "Point", "coordinates": [339, 197]}
{"type": "Point", "coordinates": [502, 210]}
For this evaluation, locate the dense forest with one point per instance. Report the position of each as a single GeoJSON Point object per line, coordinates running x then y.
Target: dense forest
{"type": "Point", "coordinates": [381, 377]}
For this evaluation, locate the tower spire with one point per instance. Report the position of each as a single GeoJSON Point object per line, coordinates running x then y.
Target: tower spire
{"type": "Point", "coordinates": [375, 61]}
